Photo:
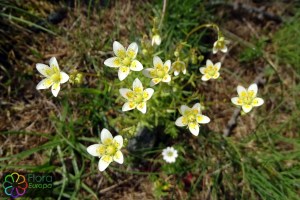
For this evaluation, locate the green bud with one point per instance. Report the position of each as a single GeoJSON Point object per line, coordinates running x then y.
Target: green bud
{"type": "Point", "coordinates": [144, 51]}
{"type": "Point", "coordinates": [76, 77]}
{"type": "Point", "coordinates": [200, 58]}
{"type": "Point", "coordinates": [194, 59]}
{"type": "Point", "coordinates": [176, 53]}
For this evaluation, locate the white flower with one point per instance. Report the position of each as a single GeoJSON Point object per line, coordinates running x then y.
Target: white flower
{"type": "Point", "coordinates": [191, 117]}
{"type": "Point", "coordinates": [220, 44]}
{"type": "Point", "coordinates": [54, 77]}
{"type": "Point", "coordinates": [170, 154]}
{"type": "Point", "coordinates": [178, 66]}
{"type": "Point", "coordinates": [156, 40]}
{"type": "Point", "coordinates": [137, 97]}
{"type": "Point", "coordinates": [210, 71]}
{"type": "Point", "coordinates": [160, 72]}
{"type": "Point", "coordinates": [108, 150]}
{"type": "Point", "coordinates": [247, 98]}
{"type": "Point", "coordinates": [124, 59]}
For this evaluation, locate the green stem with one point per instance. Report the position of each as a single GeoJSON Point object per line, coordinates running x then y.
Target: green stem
{"type": "Point", "coordinates": [214, 26]}
{"type": "Point", "coordinates": [163, 14]}
{"type": "Point", "coordinates": [90, 74]}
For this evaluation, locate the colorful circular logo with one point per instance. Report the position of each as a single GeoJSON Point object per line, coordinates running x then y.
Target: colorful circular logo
{"type": "Point", "coordinates": [15, 185]}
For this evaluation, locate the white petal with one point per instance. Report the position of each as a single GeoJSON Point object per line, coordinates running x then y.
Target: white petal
{"type": "Point", "coordinates": [202, 69]}
{"type": "Point", "coordinates": [132, 50]}
{"type": "Point", "coordinates": [209, 63]}
{"type": "Point", "coordinates": [136, 65]}
{"type": "Point", "coordinates": [197, 106]}
{"type": "Point", "coordinates": [205, 78]}
{"type": "Point", "coordinates": [225, 49]}
{"type": "Point", "coordinates": [202, 119]}
{"type": "Point", "coordinates": [124, 91]}
{"type": "Point", "coordinates": [142, 107]}
{"type": "Point", "coordinates": [105, 134]}
{"type": "Point", "coordinates": [152, 41]}
{"type": "Point", "coordinates": [93, 149]}
{"type": "Point", "coordinates": [246, 108]}
{"type": "Point", "coordinates": [154, 81]}
{"type": "Point", "coordinates": [183, 109]}
{"type": "Point", "coordinates": [168, 64]}
{"type": "Point", "coordinates": [218, 65]}
{"type": "Point", "coordinates": [137, 84]}
{"type": "Point", "coordinates": [215, 50]}
{"type": "Point", "coordinates": [176, 73]}
{"type": "Point", "coordinates": [119, 140]}
{"type": "Point", "coordinates": [179, 122]}
{"type": "Point", "coordinates": [156, 40]}
{"type": "Point", "coordinates": [113, 62]}
{"type": "Point", "coordinates": [104, 162]}
{"type": "Point", "coordinates": [184, 71]}
{"type": "Point", "coordinates": [53, 63]}
{"type": "Point", "coordinates": [147, 71]}
{"type": "Point", "coordinates": [240, 89]}
{"type": "Point", "coordinates": [257, 102]}
{"type": "Point", "coordinates": [123, 73]}
{"type": "Point", "coordinates": [119, 49]}
{"type": "Point", "coordinates": [44, 84]}
{"type": "Point", "coordinates": [150, 92]}
{"type": "Point", "coordinates": [235, 100]}
{"type": "Point", "coordinates": [253, 87]}
{"type": "Point", "coordinates": [55, 89]}
{"type": "Point", "coordinates": [128, 106]}
{"type": "Point", "coordinates": [119, 158]}
{"type": "Point", "coordinates": [157, 61]}
{"type": "Point", "coordinates": [217, 75]}
{"type": "Point", "coordinates": [194, 129]}
{"type": "Point", "coordinates": [64, 77]}
{"type": "Point", "coordinates": [167, 78]}
{"type": "Point", "coordinates": [45, 70]}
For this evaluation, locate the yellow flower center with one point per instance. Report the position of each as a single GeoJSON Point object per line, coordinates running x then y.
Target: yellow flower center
{"type": "Point", "coordinates": [159, 72]}
{"type": "Point", "coordinates": [170, 154]}
{"type": "Point", "coordinates": [220, 43]}
{"type": "Point", "coordinates": [126, 61]}
{"type": "Point", "coordinates": [190, 116]}
{"type": "Point", "coordinates": [211, 70]}
{"type": "Point", "coordinates": [137, 96]}
{"type": "Point", "coordinates": [56, 78]}
{"type": "Point", "coordinates": [111, 150]}
{"type": "Point", "coordinates": [178, 66]}
{"type": "Point", "coordinates": [109, 147]}
{"type": "Point", "coordinates": [247, 98]}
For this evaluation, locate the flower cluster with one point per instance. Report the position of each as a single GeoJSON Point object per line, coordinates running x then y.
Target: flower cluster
{"type": "Point", "coordinates": [109, 149]}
